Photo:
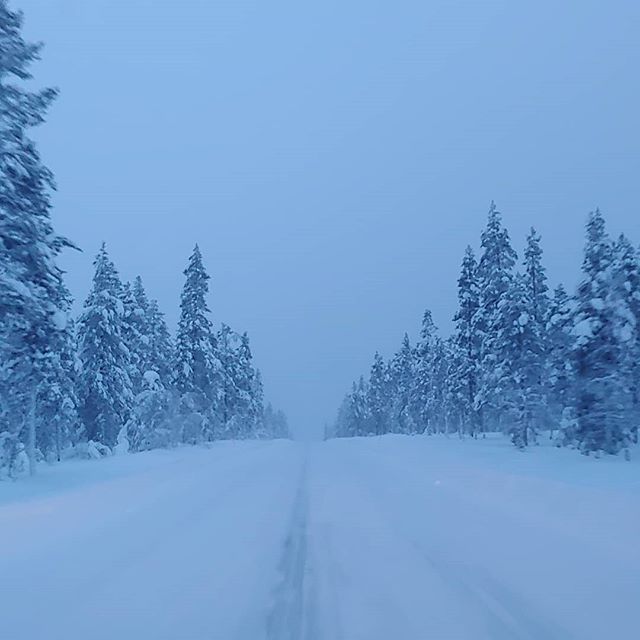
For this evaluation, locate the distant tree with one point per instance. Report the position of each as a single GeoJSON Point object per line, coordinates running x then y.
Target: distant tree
{"type": "Point", "coordinates": [495, 277]}
{"type": "Point", "coordinates": [377, 398]}
{"type": "Point", "coordinates": [401, 374]}
{"type": "Point", "coordinates": [560, 345]}
{"type": "Point", "coordinates": [104, 383]}
{"type": "Point", "coordinates": [155, 421]}
{"type": "Point", "coordinates": [58, 423]}
{"type": "Point", "coordinates": [197, 369]}
{"type": "Point", "coordinates": [519, 365]}
{"type": "Point", "coordinates": [626, 283]}
{"type": "Point", "coordinates": [465, 370]}
{"type": "Point", "coordinates": [601, 325]}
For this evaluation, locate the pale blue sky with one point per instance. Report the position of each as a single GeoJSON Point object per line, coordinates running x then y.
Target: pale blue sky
{"type": "Point", "coordinates": [333, 159]}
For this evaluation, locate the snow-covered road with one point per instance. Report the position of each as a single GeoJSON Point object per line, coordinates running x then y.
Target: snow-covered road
{"type": "Point", "coordinates": [407, 538]}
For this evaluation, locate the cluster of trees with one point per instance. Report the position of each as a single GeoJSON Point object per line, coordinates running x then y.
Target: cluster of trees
{"type": "Point", "coordinates": [113, 377]}
{"type": "Point", "coordinates": [521, 359]}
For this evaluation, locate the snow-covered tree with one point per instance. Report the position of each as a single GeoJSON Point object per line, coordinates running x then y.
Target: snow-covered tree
{"type": "Point", "coordinates": [519, 358]}
{"type": "Point", "coordinates": [495, 277]}
{"type": "Point", "coordinates": [104, 383]}
{"type": "Point", "coordinates": [401, 374]}
{"type": "Point", "coordinates": [197, 368]}
{"type": "Point", "coordinates": [558, 367]}
{"type": "Point", "coordinates": [378, 397]}
{"type": "Point", "coordinates": [58, 423]}
{"type": "Point", "coordinates": [160, 353]}
{"type": "Point", "coordinates": [536, 293]}
{"type": "Point", "coordinates": [30, 281]}
{"type": "Point", "coordinates": [626, 282]}
{"type": "Point", "coordinates": [602, 327]}
{"type": "Point", "coordinates": [422, 395]}
{"type": "Point", "coordinates": [465, 350]}
{"type": "Point", "coordinates": [276, 425]}
{"type": "Point", "coordinates": [155, 421]}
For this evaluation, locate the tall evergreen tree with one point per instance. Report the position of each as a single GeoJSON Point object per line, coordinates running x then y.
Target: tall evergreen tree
{"type": "Point", "coordinates": [518, 365]}
{"type": "Point", "coordinates": [559, 353]}
{"type": "Point", "coordinates": [104, 383]}
{"type": "Point", "coordinates": [58, 424]}
{"type": "Point", "coordinates": [537, 308]}
{"type": "Point", "coordinates": [421, 396]}
{"type": "Point", "coordinates": [161, 349]}
{"type": "Point", "coordinates": [378, 397]}
{"type": "Point", "coordinates": [401, 373]}
{"type": "Point", "coordinates": [626, 282]}
{"type": "Point", "coordinates": [466, 348]}
{"type": "Point", "coordinates": [495, 277]}
{"type": "Point", "coordinates": [197, 368]}
{"type": "Point", "coordinates": [603, 397]}
{"type": "Point", "coordinates": [29, 278]}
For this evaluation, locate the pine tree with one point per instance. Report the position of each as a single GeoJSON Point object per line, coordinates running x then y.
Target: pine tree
{"type": "Point", "coordinates": [626, 275]}
{"type": "Point", "coordinates": [603, 397]}
{"type": "Point", "coordinates": [560, 345]}
{"type": "Point", "coordinates": [495, 276]}
{"type": "Point", "coordinates": [537, 308]}
{"type": "Point", "coordinates": [135, 336]}
{"type": "Point", "coordinates": [401, 373]}
{"type": "Point", "coordinates": [58, 424]}
{"type": "Point", "coordinates": [155, 421]}
{"type": "Point", "coordinates": [518, 365]}
{"type": "Point", "coordinates": [466, 348]}
{"type": "Point", "coordinates": [161, 349]}
{"type": "Point", "coordinates": [422, 396]}
{"type": "Point", "coordinates": [197, 369]}
{"type": "Point", "coordinates": [378, 397]}
{"type": "Point", "coordinates": [104, 384]}
{"type": "Point", "coordinates": [227, 356]}
{"type": "Point", "coordinates": [29, 278]}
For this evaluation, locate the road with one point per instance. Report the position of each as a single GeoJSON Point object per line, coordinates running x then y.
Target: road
{"type": "Point", "coordinates": [407, 538]}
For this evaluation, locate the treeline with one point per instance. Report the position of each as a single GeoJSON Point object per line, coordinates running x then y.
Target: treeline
{"type": "Point", "coordinates": [115, 377]}
{"type": "Point", "coordinates": [521, 360]}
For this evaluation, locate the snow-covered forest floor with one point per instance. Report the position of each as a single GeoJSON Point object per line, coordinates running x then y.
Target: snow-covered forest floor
{"type": "Point", "coordinates": [353, 539]}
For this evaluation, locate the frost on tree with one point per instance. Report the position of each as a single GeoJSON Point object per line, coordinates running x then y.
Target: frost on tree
{"type": "Point", "coordinates": [104, 386]}
{"type": "Point", "coordinates": [197, 371]}
{"type": "Point", "coordinates": [30, 282]}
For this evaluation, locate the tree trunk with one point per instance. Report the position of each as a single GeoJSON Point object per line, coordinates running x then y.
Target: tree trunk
{"type": "Point", "coordinates": [31, 435]}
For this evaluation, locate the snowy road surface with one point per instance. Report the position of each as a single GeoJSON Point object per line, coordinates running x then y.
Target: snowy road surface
{"type": "Point", "coordinates": [383, 538]}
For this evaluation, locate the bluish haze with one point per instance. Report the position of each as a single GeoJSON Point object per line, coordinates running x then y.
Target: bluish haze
{"type": "Point", "coordinates": [333, 160]}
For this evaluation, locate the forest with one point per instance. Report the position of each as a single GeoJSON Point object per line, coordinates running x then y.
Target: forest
{"type": "Point", "coordinates": [114, 378]}
{"type": "Point", "coordinates": [522, 360]}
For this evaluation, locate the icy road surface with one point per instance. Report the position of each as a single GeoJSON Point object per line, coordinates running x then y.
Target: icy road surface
{"type": "Point", "coordinates": [371, 539]}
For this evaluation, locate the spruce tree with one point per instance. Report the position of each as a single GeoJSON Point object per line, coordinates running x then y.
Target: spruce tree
{"type": "Point", "coordinates": [518, 365]}
{"type": "Point", "coordinates": [58, 424]}
{"type": "Point", "coordinates": [378, 397]}
{"type": "Point", "coordinates": [422, 396]}
{"type": "Point", "coordinates": [466, 348]}
{"type": "Point", "coordinates": [495, 277]}
{"type": "Point", "coordinates": [197, 368]}
{"type": "Point", "coordinates": [603, 396]}
{"type": "Point", "coordinates": [30, 281]}
{"type": "Point", "coordinates": [401, 372]}
{"type": "Point", "coordinates": [537, 308]}
{"type": "Point", "coordinates": [104, 384]}
{"type": "Point", "coordinates": [161, 349]}
{"type": "Point", "coordinates": [559, 364]}
{"type": "Point", "coordinates": [626, 276]}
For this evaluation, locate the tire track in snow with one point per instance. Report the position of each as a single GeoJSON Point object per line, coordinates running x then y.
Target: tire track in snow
{"type": "Point", "coordinates": [507, 615]}
{"type": "Point", "coordinates": [292, 616]}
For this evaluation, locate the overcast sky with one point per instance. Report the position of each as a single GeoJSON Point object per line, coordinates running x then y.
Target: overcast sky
{"type": "Point", "coordinates": [333, 159]}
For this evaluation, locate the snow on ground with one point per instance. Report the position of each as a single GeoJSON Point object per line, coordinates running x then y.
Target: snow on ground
{"type": "Point", "coordinates": [363, 539]}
